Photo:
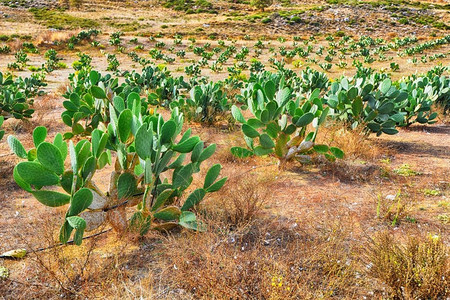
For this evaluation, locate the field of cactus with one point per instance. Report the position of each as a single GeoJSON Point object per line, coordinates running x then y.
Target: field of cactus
{"type": "Point", "coordinates": [225, 150]}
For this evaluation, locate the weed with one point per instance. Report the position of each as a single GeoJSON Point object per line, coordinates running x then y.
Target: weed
{"type": "Point", "coordinates": [429, 192]}
{"type": "Point", "coordinates": [406, 171]}
{"type": "Point", "coordinates": [418, 269]}
{"type": "Point", "coordinates": [244, 198]}
{"type": "Point", "coordinates": [392, 208]}
{"type": "Point", "coordinates": [444, 218]}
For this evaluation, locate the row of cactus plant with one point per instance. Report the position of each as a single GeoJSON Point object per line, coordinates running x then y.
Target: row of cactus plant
{"type": "Point", "coordinates": [16, 95]}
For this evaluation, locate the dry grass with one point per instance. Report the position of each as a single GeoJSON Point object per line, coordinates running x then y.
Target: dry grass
{"type": "Point", "coordinates": [393, 208]}
{"type": "Point", "coordinates": [416, 269]}
{"type": "Point", "coordinates": [49, 37]}
{"type": "Point", "coordinates": [241, 200]}
{"type": "Point", "coordinates": [268, 260]}
{"type": "Point", "coordinates": [354, 143]}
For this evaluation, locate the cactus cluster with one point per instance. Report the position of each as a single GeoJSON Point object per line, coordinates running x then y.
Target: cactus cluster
{"type": "Point", "coordinates": [280, 123]}
{"type": "Point", "coordinates": [150, 172]}
{"type": "Point", "coordinates": [380, 106]}
{"type": "Point", "coordinates": [361, 103]}
{"type": "Point", "coordinates": [88, 100]}
{"type": "Point", "coordinates": [16, 96]}
{"type": "Point", "coordinates": [205, 103]}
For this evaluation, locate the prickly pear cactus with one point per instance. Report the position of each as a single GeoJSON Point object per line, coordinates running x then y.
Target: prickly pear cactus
{"type": "Point", "coordinates": [149, 172]}
{"type": "Point", "coordinates": [280, 124]}
{"type": "Point", "coordinates": [2, 132]}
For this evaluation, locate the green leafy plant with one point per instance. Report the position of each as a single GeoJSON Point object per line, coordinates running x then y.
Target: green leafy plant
{"type": "Point", "coordinates": [16, 96]}
{"type": "Point", "coordinates": [21, 61]}
{"type": "Point", "coordinates": [88, 100]}
{"type": "Point", "coordinates": [359, 104]}
{"type": "Point", "coordinates": [418, 107]}
{"type": "Point", "coordinates": [53, 61]}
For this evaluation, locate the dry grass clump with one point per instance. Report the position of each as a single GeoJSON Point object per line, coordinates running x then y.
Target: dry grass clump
{"type": "Point", "coordinates": [354, 143]}
{"type": "Point", "coordinates": [417, 269]}
{"type": "Point", "coordinates": [50, 37]}
{"type": "Point", "coordinates": [102, 267]}
{"type": "Point", "coordinates": [271, 259]}
{"type": "Point", "coordinates": [242, 199]}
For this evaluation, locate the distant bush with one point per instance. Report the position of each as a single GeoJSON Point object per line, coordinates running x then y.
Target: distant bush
{"type": "Point", "coordinates": [59, 20]}
{"type": "Point", "coordinates": [190, 7]}
{"type": "Point", "coordinates": [261, 4]}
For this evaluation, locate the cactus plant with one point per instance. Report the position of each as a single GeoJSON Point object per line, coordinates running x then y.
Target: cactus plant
{"type": "Point", "coordinates": [149, 173]}
{"type": "Point", "coordinates": [359, 103]}
{"type": "Point", "coordinates": [88, 101]}
{"type": "Point", "coordinates": [280, 124]}
{"type": "Point", "coordinates": [418, 107]}
{"type": "Point", "coordinates": [206, 102]}
{"type": "Point", "coordinates": [16, 96]}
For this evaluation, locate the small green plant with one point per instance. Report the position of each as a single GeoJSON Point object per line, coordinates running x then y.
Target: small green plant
{"type": "Point", "coordinates": [431, 192]}
{"type": "Point", "coordinates": [261, 4]}
{"type": "Point", "coordinates": [394, 66]}
{"type": "Point", "coordinates": [53, 61]}
{"type": "Point", "coordinates": [405, 170]}
{"type": "Point", "coordinates": [84, 62]}
{"type": "Point", "coordinates": [5, 49]}
{"type": "Point", "coordinates": [392, 208]}
{"type": "Point", "coordinates": [113, 62]}
{"type": "Point", "coordinates": [115, 38]}
{"type": "Point", "coordinates": [444, 218]}
{"type": "Point", "coordinates": [21, 61]}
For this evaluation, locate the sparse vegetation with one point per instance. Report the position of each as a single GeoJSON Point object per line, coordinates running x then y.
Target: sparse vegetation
{"type": "Point", "coordinates": [323, 127]}
{"type": "Point", "coordinates": [60, 20]}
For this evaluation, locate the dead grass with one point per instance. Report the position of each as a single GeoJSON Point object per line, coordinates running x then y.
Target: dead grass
{"type": "Point", "coordinates": [354, 143]}
{"type": "Point", "coordinates": [393, 208]}
{"type": "Point", "coordinates": [416, 269]}
{"type": "Point", "coordinates": [268, 260]}
{"type": "Point", "coordinates": [51, 37]}
{"type": "Point", "coordinates": [242, 199]}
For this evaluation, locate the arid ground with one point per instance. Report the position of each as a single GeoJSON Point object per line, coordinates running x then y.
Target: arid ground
{"type": "Point", "coordinates": [308, 231]}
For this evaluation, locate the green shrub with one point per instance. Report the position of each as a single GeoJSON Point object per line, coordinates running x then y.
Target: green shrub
{"type": "Point", "coordinates": [261, 4]}
{"type": "Point", "coordinates": [279, 124]}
